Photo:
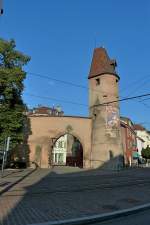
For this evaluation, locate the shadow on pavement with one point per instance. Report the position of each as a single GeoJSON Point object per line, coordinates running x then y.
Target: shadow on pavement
{"type": "Point", "coordinates": [50, 195]}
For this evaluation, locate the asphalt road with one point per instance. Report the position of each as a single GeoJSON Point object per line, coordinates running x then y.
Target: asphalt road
{"type": "Point", "coordinates": [142, 218]}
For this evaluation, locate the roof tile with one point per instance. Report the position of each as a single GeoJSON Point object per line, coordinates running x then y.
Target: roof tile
{"type": "Point", "coordinates": [101, 63]}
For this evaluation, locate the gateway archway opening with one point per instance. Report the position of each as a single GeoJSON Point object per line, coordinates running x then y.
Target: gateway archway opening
{"type": "Point", "coordinates": [68, 151]}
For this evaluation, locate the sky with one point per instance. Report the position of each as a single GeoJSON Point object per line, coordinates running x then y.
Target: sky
{"type": "Point", "coordinates": [60, 36]}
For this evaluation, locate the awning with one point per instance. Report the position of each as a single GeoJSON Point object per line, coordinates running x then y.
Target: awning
{"type": "Point", "coordinates": [135, 155]}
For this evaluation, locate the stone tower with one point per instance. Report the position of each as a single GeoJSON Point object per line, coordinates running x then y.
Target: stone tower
{"type": "Point", "coordinates": [107, 149]}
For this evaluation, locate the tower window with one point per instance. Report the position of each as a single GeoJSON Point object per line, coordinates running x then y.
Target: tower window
{"type": "Point", "coordinates": [98, 81]}
{"type": "Point", "coordinates": [111, 155]}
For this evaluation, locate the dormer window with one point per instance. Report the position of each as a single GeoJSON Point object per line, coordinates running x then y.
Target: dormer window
{"type": "Point", "coordinates": [113, 63]}
{"type": "Point", "coordinates": [98, 81]}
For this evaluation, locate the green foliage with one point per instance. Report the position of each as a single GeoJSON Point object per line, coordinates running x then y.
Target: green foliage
{"type": "Point", "coordinates": [11, 87]}
{"type": "Point", "coordinates": [146, 152]}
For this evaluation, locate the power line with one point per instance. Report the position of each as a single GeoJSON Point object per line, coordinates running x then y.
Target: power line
{"type": "Point", "coordinates": [135, 82]}
{"type": "Point", "coordinates": [57, 80]}
{"type": "Point", "coordinates": [78, 85]}
{"type": "Point", "coordinates": [143, 103]}
{"type": "Point", "coordinates": [144, 99]}
{"type": "Point", "coordinates": [56, 99]}
{"type": "Point", "coordinates": [62, 81]}
{"type": "Point", "coordinates": [139, 101]}
{"type": "Point", "coordinates": [77, 103]}
{"type": "Point", "coordinates": [142, 83]}
{"type": "Point", "coordinates": [147, 106]}
{"type": "Point", "coordinates": [124, 99]}
{"type": "Point", "coordinates": [75, 85]}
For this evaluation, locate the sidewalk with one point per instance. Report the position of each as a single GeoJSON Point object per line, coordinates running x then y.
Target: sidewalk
{"type": "Point", "coordinates": [46, 195]}
{"type": "Point", "coordinates": [11, 177]}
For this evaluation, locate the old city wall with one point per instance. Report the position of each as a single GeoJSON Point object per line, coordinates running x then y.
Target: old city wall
{"type": "Point", "coordinates": [45, 130]}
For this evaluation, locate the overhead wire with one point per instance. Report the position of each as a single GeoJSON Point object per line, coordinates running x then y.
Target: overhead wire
{"type": "Point", "coordinates": [82, 86]}
{"type": "Point", "coordinates": [56, 99]}
{"type": "Point", "coordinates": [100, 104]}
{"type": "Point", "coordinates": [142, 83]}
{"type": "Point", "coordinates": [57, 80]}
{"type": "Point", "coordinates": [144, 99]}
{"type": "Point", "coordinates": [72, 84]}
{"type": "Point", "coordinates": [137, 88]}
{"type": "Point", "coordinates": [134, 82]}
{"type": "Point", "coordinates": [62, 81]}
{"type": "Point", "coordinates": [124, 99]}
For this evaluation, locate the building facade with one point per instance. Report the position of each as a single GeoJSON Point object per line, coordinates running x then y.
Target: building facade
{"type": "Point", "coordinates": [45, 111]}
{"type": "Point", "coordinates": [59, 151]}
{"type": "Point", "coordinates": [140, 145]}
{"type": "Point", "coordinates": [143, 134]}
{"type": "Point", "coordinates": [129, 141]}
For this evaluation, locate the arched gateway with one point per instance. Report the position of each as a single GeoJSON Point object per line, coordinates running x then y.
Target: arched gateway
{"type": "Point", "coordinates": [47, 135]}
{"type": "Point", "coordinates": [67, 150]}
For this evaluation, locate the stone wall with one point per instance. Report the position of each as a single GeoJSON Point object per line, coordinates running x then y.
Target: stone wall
{"type": "Point", "coordinates": [46, 130]}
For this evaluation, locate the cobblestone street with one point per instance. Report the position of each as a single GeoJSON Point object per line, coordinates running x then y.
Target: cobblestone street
{"type": "Point", "coordinates": [47, 195]}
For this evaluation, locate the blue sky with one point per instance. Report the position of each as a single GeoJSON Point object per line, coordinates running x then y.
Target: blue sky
{"type": "Point", "coordinates": [60, 36]}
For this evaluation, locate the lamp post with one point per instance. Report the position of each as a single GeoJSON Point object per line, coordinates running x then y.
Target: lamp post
{"type": "Point", "coordinates": [1, 7]}
{"type": "Point", "coordinates": [6, 149]}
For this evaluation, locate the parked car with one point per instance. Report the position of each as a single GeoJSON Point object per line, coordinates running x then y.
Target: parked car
{"type": "Point", "coordinates": [17, 165]}
{"type": "Point", "coordinates": [141, 161]}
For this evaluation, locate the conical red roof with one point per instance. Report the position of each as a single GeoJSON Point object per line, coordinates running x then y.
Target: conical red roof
{"type": "Point", "coordinates": [102, 64]}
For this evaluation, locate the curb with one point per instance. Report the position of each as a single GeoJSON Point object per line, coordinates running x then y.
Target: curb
{"type": "Point", "coordinates": [16, 182]}
{"type": "Point", "coordinates": [99, 218]}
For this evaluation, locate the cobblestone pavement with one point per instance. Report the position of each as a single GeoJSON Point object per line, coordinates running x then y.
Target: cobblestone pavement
{"type": "Point", "coordinates": [10, 177]}
{"type": "Point", "coordinates": [47, 196]}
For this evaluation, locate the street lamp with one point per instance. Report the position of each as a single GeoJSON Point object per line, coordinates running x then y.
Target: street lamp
{"type": "Point", "coordinates": [1, 7]}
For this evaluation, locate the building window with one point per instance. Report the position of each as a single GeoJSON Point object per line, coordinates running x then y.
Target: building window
{"type": "Point", "coordinates": [98, 81]}
{"type": "Point", "coordinates": [60, 144]}
{"type": "Point", "coordinates": [94, 116]}
{"type": "Point", "coordinates": [111, 155]}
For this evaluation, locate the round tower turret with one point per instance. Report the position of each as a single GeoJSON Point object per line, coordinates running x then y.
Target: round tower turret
{"type": "Point", "coordinates": [103, 88]}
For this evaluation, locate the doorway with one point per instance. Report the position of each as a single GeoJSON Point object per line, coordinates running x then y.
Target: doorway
{"type": "Point", "coordinates": [68, 151]}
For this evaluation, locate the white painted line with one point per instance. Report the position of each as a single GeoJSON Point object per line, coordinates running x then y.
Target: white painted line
{"type": "Point", "coordinates": [98, 218]}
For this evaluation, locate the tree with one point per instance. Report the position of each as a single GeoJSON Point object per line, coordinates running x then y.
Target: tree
{"type": "Point", "coordinates": [11, 87]}
{"type": "Point", "coordinates": [146, 152]}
